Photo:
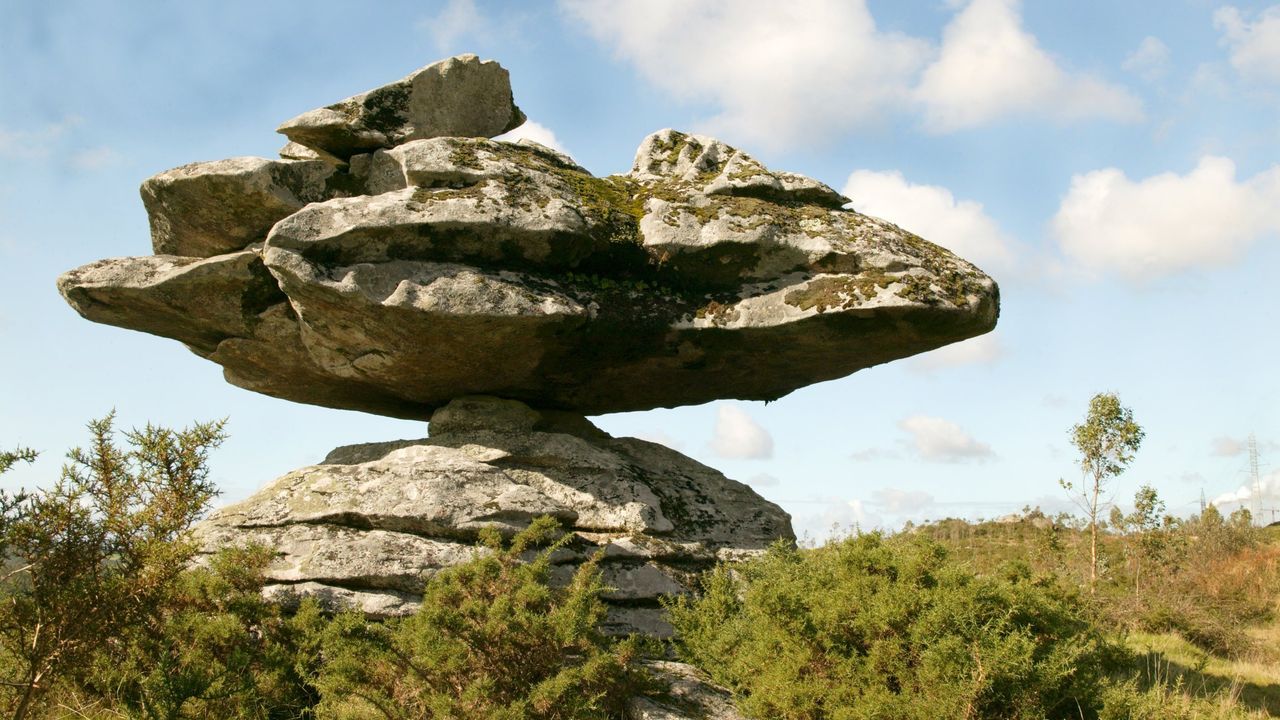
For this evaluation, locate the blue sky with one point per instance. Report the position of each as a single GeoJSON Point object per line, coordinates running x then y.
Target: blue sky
{"type": "Point", "coordinates": [1115, 166]}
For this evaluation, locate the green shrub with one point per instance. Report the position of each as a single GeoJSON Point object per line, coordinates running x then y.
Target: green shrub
{"type": "Point", "coordinates": [492, 641]}
{"type": "Point", "coordinates": [214, 649]}
{"type": "Point", "coordinates": [93, 556]}
{"type": "Point", "coordinates": [870, 627]}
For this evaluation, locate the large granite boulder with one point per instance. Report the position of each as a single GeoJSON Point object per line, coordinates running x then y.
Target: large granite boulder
{"type": "Point", "coordinates": [368, 526]}
{"type": "Point", "coordinates": [450, 266]}
{"type": "Point", "coordinates": [209, 208]}
{"type": "Point", "coordinates": [460, 96]}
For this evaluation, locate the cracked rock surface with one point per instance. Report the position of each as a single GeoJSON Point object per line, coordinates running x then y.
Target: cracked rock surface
{"type": "Point", "coordinates": [372, 523]}
{"type": "Point", "coordinates": [397, 260]}
{"type": "Point", "coordinates": [427, 268]}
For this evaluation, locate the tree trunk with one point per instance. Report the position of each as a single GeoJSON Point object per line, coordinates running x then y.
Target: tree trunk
{"type": "Point", "coordinates": [1093, 538]}
{"type": "Point", "coordinates": [28, 693]}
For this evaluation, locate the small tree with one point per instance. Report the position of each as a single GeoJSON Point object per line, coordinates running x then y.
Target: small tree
{"type": "Point", "coordinates": [1150, 528]}
{"type": "Point", "coordinates": [93, 554]}
{"type": "Point", "coordinates": [1107, 440]}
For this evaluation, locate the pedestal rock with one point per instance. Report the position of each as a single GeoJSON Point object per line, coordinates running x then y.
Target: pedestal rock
{"type": "Point", "coordinates": [371, 523]}
{"type": "Point", "coordinates": [398, 260]}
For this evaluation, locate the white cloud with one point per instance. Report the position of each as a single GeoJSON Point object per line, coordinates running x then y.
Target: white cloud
{"type": "Point", "coordinates": [38, 143]}
{"type": "Point", "coordinates": [458, 18]}
{"type": "Point", "coordinates": [836, 518]}
{"type": "Point", "coordinates": [939, 440]}
{"type": "Point", "coordinates": [902, 502]}
{"type": "Point", "coordinates": [779, 73]}
{"type": "Point", "coordinates": [1255, 46]}
{"type": "Point", "coordinates": [982, 350]}
{"type": "Point", "coordinates": [990, 67]}
{"type": "Point", "coordinates": [1150, 61]}
{"type": "Point", "coordinates": [934, 214]}
{"type": "Point", "coordinates": [536, 132]}
{"type": "Point", "coordinates": [737, 435]}
{"type": "Point", "coordinates": [1268, 491]}
{"type": "Point", "coordinates": [1168, 222]}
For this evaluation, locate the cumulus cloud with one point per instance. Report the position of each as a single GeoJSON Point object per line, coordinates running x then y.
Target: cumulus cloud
{"type": "Point", "coordinates": [778, 72]}
{"type": "Point", "coordinates": [990, 67]}
{"type": "Point", "coordinates": [783, 73]}
{"type": "Point", "coordinates": [836, 517]}
{"type": "Point", "coordinates": [938, 440]}
{"type": "Point", "coordinates": [1150, 60]}
{"type": "Point", "coordinates": [932, 212]}
{"type": "Point", "coordinates": [455, 20]}
{"type": "Point", "coordinates": [536, 132]}
{"type": "Point", "coordinates": [1254, 44]}
{"type": "Point", "coordinates": [1166, 223]}
{"type": "Point", "coordinates": [982, 350]}
{"type": "Point", "coordinates": [737, 435]}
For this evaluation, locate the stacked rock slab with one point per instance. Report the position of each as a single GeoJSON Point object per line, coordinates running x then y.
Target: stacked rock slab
{"type": "Point", "coordinates": [370, 524]}
{"type": "Point", "coordinates": [398, 260]}
{"type": "Point", "coordinates": [401, 269]}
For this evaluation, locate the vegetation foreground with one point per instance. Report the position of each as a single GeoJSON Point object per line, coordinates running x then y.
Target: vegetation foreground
{"type": "Point", "coordinates": [103, 615]}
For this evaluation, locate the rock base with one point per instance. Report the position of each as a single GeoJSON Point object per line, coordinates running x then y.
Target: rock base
{"type": "Point", "coordinates": [368, 526]}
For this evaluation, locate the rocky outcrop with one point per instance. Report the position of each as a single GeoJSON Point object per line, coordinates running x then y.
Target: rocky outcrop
{"type": "Point", "coordinates": [370, 524]}
{"type": "Point", "coordinates": [210, 208]}
{"type": "Point", "coordinates": [460, 96]}
{"type": "Point", "coordinates": [452, 266]}
{"type": "Point", "coordinates": [398, 260]}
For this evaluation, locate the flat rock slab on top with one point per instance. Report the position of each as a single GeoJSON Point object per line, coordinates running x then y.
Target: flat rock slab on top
{"type": "Point", "coordinates": [460, 96]}
{"type": "Point", "coordinates": [405, 276]}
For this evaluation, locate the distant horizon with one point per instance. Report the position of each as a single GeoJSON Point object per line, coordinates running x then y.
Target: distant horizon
{"type": "Point", "coordinates": [1114, 168]}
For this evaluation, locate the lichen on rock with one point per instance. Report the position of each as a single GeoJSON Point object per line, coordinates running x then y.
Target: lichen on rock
{"type": "Point", "coordinates": [398, 260]}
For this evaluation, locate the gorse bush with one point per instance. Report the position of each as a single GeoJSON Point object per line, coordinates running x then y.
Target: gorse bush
{"type": "Point", "coordinates": [493, 641]}
{"type": "Point", "coordinates": [95, 554]}
{"type": "Point", "coordinates": [104, 615]}
{"type": "Point", "coordinates": [875, 627]}
{"type": "Point", "coordinates": [213, 649]}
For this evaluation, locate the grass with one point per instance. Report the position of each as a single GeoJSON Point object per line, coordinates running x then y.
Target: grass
{"type": "Point", "coordinates": [1171, 660]}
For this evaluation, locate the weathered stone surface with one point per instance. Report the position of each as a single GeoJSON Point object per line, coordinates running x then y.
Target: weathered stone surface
{"type": "Point", "coordinates": [683, 693]}
{"type": "Point", "coordinates": [463, 265]}
{"type": "Point", "coordinates": [378, 520]}
{"type": "Point", "coordinates": [209, 208]}
{"type": "Point", "coordinates": [346, 557]}
{"type": "Point", "coordinates": [460, 96]}
{"type": "Point", "coordinates": [198, 301]}
{"type": "Point", "coordinates": [375, 604]}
